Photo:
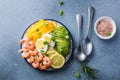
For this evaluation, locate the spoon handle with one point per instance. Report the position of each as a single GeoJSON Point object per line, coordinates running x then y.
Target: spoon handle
{"type": "Point", "coordinates": [90, 18]}
{"type": "Point", "coordinates": [79, 23]}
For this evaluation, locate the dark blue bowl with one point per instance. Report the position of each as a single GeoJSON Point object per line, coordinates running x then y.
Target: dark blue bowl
{"type": "Point", "coordinates": [71, 49]}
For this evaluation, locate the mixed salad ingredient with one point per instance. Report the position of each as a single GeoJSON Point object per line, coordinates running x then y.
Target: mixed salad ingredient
{"type": "Point", "coordinates": [105, 28]}
{"type": "Point", "coordinates": [33, 56]}
{"type": "Point", "coordinates": [61, 3]}
{"type": "Point", "coordinates": [61, 12]}
{"type": "Point", "coordinates": [39, 29]}
{"type": "Point", "coordinates": [46, 44]}
{"type": "Point", "coordinates": [78, 75]}
{"type": "Point", "coordinates": [61, 37]}
{"type": "Point", "coordinates": [57, 60]}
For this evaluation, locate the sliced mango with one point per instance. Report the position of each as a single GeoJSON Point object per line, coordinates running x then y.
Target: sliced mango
{"type": "Point", "coordinates": [40, 28]}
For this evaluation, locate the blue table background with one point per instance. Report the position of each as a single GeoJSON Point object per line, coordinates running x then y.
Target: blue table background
{"type": "Point", "coordinates": [17, 15]}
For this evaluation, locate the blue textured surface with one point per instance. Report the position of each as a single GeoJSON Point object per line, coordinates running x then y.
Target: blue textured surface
{"type": "Point", "coordinates": [16, 16]}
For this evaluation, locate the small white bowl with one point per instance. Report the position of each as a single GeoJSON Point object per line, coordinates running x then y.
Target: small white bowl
{"type": "Point", "coordinates": [113, 24]}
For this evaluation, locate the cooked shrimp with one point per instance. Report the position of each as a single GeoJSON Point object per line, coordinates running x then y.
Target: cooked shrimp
{"type": "Point", "coordinates": [42, 67]}
{"type": "Point", "coordinates": [29, 44]}
{"type": "Point", "coordinates": [25, 55]}
{"type": "Point", "coordinates": [23, 50]}
{"type": "Point", "coordinates": [31, 53]}
{"type": "Point", "coordinates": [33, 56]}
{"type": "Point", "coordinates": [35, 52]}
{"type": "Point", "coordinates": [30, 59]}
{"type": "Point", "coordinates": [35, 64]}
{"type": "Point", "coordinates": [26, 50]}
{"type": "Point", "coordinates": [46, 61]}
{"type": "Point", "coordinates": [39, 57]}
{"type": "Point", "coordinates": [21, 41]}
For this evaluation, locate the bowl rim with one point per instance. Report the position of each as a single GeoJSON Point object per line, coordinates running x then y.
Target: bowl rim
{"type": "Point", "coordinates": [71, 39]}
{"type": "Point", "coordinates": [111, 21]}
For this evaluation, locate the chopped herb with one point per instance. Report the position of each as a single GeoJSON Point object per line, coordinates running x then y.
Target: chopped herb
{"type": "Point", "coordinates": [53, 38]}
{"type": "Point", "coordinates": [42, 51]}
{"type": "Point", "coordinates": [78, 75]}
{"type": "Point", "coordinates": [45, 42]}
{"type": "Point", "coordinates": [35, 57]}
{"type": "Point", "coordinates": [60, 12]}
{"type": "Point", "coordinates": [46, 24]}
{"type": "Point", "coordinates": [47, 54]}
{"type": "Point", "coordinates": [109, 34]}
{"type": "Point", "coordinates": [39, 33]}
{"type": "Point", "coordinates": [60, 50]}
{"type": "Point", "coordinates": [61, 3]}
{"type": "Point", "coordinates": [37, 29]}
{"type": "Point", "coordinates": [67, 36]}
{"type": "Point", "coordinates": [90, 72]}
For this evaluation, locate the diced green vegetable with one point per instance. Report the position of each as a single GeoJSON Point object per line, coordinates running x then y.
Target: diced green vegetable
{"type": "Point", "coordinates": [45, 42]}
{"type": "Point", "coordinates": [39, 33]}
{"type": "Point", "coordinates": [61, 12]}
{"type": "Point", "coordinates": [46, 24]}
{"type": "Point", "coordinates": [53, 38]}
{"type": "Point", "coordinates": [67, 37]}
{"type": "Point", "coordinates": [61, 3]}
{"type": "Point", "coordinates": [78, 75]}
{"type": "Point", "coordinates": [109, 34]}
{"type": "Point", "coordinates": [42, 51]}
{"type": "Point", "coordinates": [35, 57]}
{"type": "Point", "coordinates": [47, 54]}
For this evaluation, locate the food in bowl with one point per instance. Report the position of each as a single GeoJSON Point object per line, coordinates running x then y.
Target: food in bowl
{"type": "Point", "coordinates": [105, 27]}
{"type": "Point", "coordinates": [46, 44]}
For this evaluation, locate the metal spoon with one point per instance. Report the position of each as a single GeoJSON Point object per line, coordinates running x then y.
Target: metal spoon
{"type": "Point", "coordinates": [87, 44]}
{"type": "Point", "coordinates": [78, 52]}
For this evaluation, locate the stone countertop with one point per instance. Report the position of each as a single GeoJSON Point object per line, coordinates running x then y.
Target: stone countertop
{"type": "Point", "coordinates": [16, 16]}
